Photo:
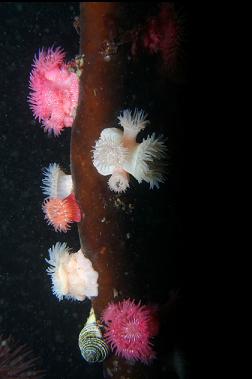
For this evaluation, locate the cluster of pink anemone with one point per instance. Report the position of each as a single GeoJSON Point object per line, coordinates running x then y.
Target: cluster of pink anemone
{"type": "Point", "coordinates": [130, 328]}
{"type": "Point", "coordinates": [54, 91]}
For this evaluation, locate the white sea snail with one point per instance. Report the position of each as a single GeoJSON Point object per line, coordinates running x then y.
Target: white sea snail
{"type": "Point", "coordinates": [117, 153]}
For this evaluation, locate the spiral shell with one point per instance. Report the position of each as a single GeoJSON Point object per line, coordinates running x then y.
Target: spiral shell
{"type": "Point", "coordinates": [93, 348]}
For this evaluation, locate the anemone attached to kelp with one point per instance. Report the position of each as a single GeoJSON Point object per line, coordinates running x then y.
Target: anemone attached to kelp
{"type": "Point", "coordinates": [129, 329]}
{"type": "Point", "coordinates": [117, 153]}
{"type": "Point", "coordinates": [56, 184]}
{"type": "Point", "coordinates": [54, 91]}
{"type": "Point", "coordinates": [61, 213]}
{"type": "Point", "coordinates": [72, 274]}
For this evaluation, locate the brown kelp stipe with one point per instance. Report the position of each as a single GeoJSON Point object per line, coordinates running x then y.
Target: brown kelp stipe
{"type": "Point", "coordinates": [102, 232]}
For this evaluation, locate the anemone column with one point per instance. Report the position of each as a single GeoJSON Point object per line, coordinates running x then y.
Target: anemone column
{"type": "Point", "coordinates": [102, 232]}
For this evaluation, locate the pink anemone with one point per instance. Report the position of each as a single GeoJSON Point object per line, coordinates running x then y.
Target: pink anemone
{"type": "Point", "coordinates": [129, 329]}
{"type": "Point", "coordinates": [54, 91]}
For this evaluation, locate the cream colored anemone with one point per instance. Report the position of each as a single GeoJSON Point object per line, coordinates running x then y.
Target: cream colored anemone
{"type": "Point", "coordinates": [117, 153]}
{"type": "Point", "coordinates": [56, 184]}
{"type": "Point", "coordinates": [72, 274]}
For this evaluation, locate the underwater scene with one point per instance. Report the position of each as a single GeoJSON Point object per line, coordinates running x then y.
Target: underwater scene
{"type": "Point", "coordinates": [95, 268]}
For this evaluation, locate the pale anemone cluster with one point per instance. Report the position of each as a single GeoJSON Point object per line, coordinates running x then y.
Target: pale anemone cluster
{"type": "Point", "coordinates": [117, 153]}
{"type": "Point", "coordinates": [72, 274]}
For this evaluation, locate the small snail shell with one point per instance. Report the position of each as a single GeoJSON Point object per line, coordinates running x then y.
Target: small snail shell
{"type": "Point", "coordinates": [93, 348]}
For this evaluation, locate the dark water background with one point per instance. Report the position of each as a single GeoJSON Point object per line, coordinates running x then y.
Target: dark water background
{"type": "Point", "coordinates": [28, 309]}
